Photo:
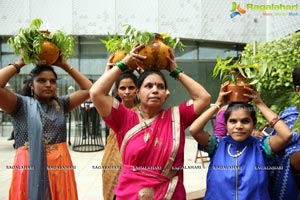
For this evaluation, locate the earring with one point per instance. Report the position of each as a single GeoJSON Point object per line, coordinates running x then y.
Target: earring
{"type": "Point", "coordinates": [32, 92]}
{"type": "Point", "coordinates": [297, 89]}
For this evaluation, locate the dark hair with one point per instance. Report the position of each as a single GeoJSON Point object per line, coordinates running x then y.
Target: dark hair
{"type": "Point", "coordinates": [296, 75]}
{"type": "Point", "coordinates": [124, 75]}
{"type": "Point", "coordinates": [235, 106]}
{"type": "Point", "coordinates": [25, 81]}
{"type": "Point", "coordinates": [148, 72]}
{"type": "Point", "coordinates": [35, 72]}
{"type": "Point", "coordinates": [25, 88]}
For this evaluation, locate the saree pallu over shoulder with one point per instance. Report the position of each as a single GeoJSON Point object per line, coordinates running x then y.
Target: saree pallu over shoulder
{"type": "Point", "coordinates": [38, 183]}
{"type": "Point", "coordinates": [157, 183]}
{"type": "Point", "coordinates": [43, 170]}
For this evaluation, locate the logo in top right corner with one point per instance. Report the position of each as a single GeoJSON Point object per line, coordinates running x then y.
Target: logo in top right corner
{"type": "Point", "coordinates": [236, 10]}
{"type": "Point", "coordinates": [265, 9]}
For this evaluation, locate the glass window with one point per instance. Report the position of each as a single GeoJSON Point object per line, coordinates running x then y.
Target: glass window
{"type": "Point", "coordinates": [190, 51]}
{"type": "Point", "coordinates": [90, 57]}
{"type": "Point", "coordinates": [211, 53]}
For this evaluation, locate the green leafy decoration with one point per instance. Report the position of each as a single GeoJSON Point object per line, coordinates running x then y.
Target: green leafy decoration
{"type": "Point", "coordinates": [64, 42]}
{"type": "Point", "coordinates": [114, 43]}
{"type": "Point", "coordinates": [227, 69]}
{"type": "Point", "coordinates": [29, 42]}
{"type": "Point", "coordinates": [134, 36]}
{"type": "Point", "coordinates": [277, 60]}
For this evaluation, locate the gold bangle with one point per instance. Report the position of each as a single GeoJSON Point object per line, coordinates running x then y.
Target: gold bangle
{"type": "Point", "coordinates": [70, 69]}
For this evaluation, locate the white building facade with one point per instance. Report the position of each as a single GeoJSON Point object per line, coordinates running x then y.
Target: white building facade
{"type": "Point", "coordinates": [207, 27]}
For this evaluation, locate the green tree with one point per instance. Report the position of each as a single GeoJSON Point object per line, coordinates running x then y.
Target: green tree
{"type": "Point", "coordinates": [278, 59]}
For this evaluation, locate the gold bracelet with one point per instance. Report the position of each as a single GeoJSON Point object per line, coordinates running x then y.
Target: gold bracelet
{"type": "Point", "coordinates": [70, 69]}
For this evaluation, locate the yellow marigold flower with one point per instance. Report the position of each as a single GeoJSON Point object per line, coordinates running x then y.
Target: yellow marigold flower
{"type": "Point", "coordinates": [163, 34]}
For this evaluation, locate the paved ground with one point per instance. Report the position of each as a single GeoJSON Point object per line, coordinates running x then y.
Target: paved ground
{"type": "Point", "coordinates": [88, 179]}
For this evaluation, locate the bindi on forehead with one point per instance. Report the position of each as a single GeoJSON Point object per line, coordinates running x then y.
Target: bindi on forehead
{"type": "Point", "coordinates": [154, 80]}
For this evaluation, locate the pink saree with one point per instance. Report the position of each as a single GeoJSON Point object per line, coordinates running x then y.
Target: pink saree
{"type": "Point", "coordinates": [152, 152]}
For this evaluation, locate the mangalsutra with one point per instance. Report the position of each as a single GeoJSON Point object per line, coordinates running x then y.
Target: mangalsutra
{"type": "Point", "coordinates": [140, 113]}
{"type": "Point", "coordinates": [238, 154]}
{"type": "Point", "coordinates": [142, 116]}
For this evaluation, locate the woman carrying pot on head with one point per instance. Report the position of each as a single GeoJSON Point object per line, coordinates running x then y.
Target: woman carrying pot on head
{"type": "Point", "coordinates": [125, 92]}
{"type": "Point", "coordinates": [285, 183]}
{"type": "Point", "coordinates": [220, 129]}
{"type": "Point", "coordinates": [151, 139]}
{"type": "Point", "coordinates": [238, 165]}
{"type": "Point", "coordinates": [42, 167]}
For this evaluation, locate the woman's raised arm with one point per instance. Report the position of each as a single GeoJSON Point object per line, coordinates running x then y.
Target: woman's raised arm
{"type": "Point", "coordinates": [99, 92]}
{"type": "Point", "coordinates": [8, 98]}
{"type": "Point", "coordinates": [81, 95]}
{"type": "Point", "coordinates": [197, 92]}
{"type": "Point", "coordinates": [197, 127]}
{"type": "Point", "coordinates": [284, 135]}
